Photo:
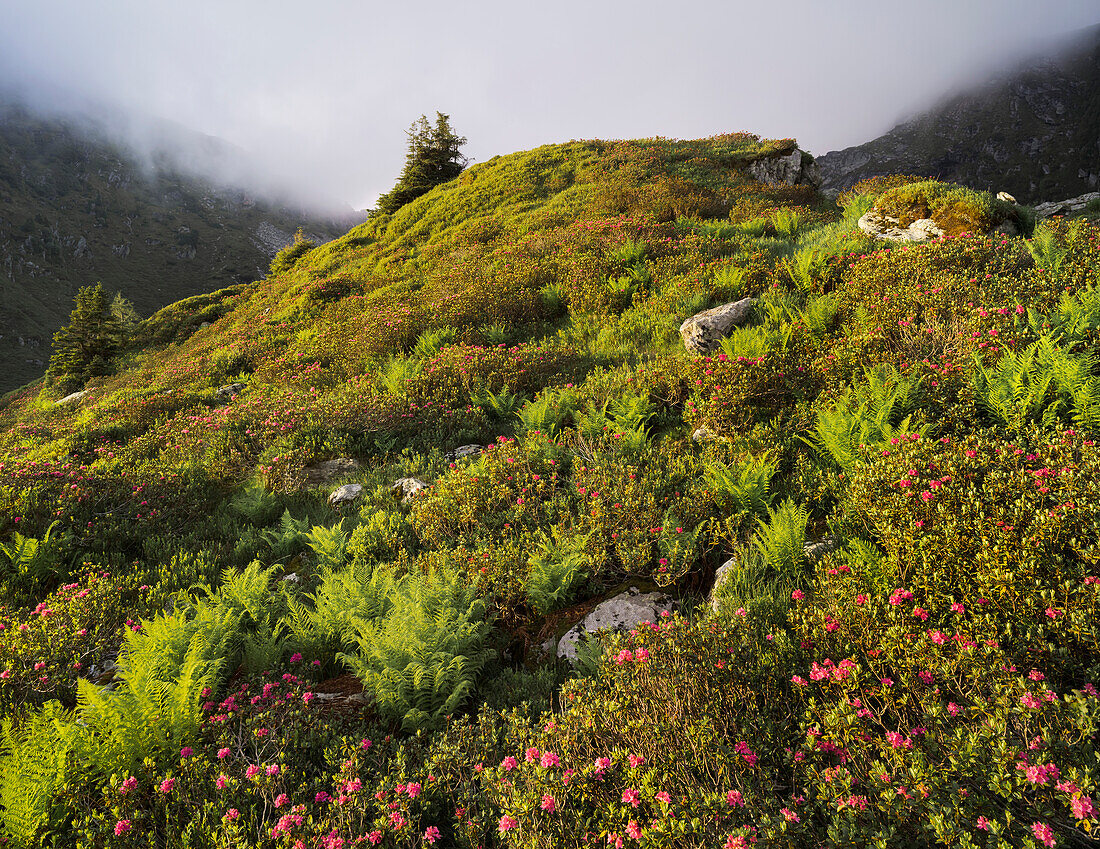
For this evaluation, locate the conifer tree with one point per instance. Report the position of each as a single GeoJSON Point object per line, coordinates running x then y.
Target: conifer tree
{"type": "Point", "coordinates": [434, 157]}
{"type": "Point", "coordinates": [83, 348]}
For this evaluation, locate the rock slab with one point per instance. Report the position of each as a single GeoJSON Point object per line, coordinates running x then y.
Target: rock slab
{"type": "Point", "coordinates": [619, 613]}
{"type": "Point", "coordinates": [704, 332]}
{"type": "Point", "coordinates": [408, 488]}
{"type": "Point", "coordinates": [346, 494]}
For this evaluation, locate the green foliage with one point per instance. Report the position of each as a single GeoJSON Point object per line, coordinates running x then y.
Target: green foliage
{"type": "Point", "coordinates": [780, 541]}
{"type": "Point", "coordinates": [1048, 251]}
{"type": "Point", "coordinates": [955, 209]}
{"type": "Point", "coordinates": [558, 567]}
{"type": "Point", "coordinates": [549, 411]}
{"type": "Point", "coordinates": [30, 564]}
{"type": "Point", "coordinates": [786, 222]}
{"type": "Point", "coordinates": [288, 257]}
{"type": "Point", "coordinates": [434, 156]}
{"type": "Point", "coordinates": [34, 760]}
{"type": "Point", "coordinates": [83, 348]}
{"type": "Point", "coordinates": [745, 488]}
{"type": "Point", "coordinates": [867, 415]}
{"type": "Point", "coordinates": [421, 661]}
{"type": "Point", "coordinates": [431, 342]}
{"type": "Point", "coordinates": [346, 601]}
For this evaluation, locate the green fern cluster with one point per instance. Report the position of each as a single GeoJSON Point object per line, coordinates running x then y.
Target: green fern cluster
{"type": "Point", "coordinates": [34, 762]}
{"type": "Point", "coordinates": [867, 415]}
{"type": "Point", "coordinates": [558, 568]}
{"type": "Point", "coordinates": [421, 660]}
{"type": "Point", "coordinates": [548, 412]}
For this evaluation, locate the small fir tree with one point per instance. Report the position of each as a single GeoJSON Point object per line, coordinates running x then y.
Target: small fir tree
{"type": "Point", "coordinates": [83, 348]}
{"type": "Point", "coordinates": [434, 157]}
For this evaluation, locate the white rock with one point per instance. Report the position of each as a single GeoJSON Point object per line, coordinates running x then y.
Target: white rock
{"type": "Point", "coordinates": [408, 488]}
{"type": "Point", "coordinates": [346, 494]}
{"type": "Point", "coordinates": [703, 332]}
{"type": "Point", "coordinates": [721, 576]}
{"type": "Point", "coordinates": [620, 613]}
{"type": "Point", "coordinates": [1005, 196]}
{"type": "Point", "coordinates": [72, 399]}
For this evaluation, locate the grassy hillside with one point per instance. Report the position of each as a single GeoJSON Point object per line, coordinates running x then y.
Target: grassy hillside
{"type": "Point", "coordinates": [284, 672]}
{"type": "Point", "coordinates": [76, 209]}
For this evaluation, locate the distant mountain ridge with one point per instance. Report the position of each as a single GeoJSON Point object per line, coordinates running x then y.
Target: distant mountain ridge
{"type": "Point", "coordinates": [77, 208]}
{"type": "Point", "coordinates": [1033, 131]}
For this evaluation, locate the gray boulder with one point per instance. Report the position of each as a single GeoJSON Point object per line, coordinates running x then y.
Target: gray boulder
{"type": "Point", "coordinates": [327, 471]}
{"type": "Point", "coordinates": [346, 494]}
{"type": "Point", "coordinates": [620, 613]}
{"type": "Point", "coordinates": [704, 332]}
{"type": "Point", "coordinates": [1060, 207]}
{"type": "Point", "coordinates": [888, 228]}
{"type": "Point", "coordinates": [463, 451]}
{"type": "Point", "coordinates": [408, 488]}
{"type": "Point", "coordinates": [229, 391]}
{"type": "Point", "coordinates": [71, 399]}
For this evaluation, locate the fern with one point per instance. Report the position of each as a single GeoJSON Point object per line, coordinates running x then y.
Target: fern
{"type": "Point", "coordinates": [868, 414]}
{"type": "Point", "coordinates": [289, 538]}
{"type": "Point", "coordinates": [780, 541]}
{"type": "Point", "coordinates": [431, 342]}
{"type": "Point", "coordinates": [558, 568]}
{"type": "Point", "coordinates": [329, 544]}
{"type": "Point", "coordinates": [1046, 250]}
{"type": "Point", "coordinates": [819, 315]}
{"type": "Point", "coordinates": [746, 489]}
{"type": "Point", "coordinates": [729, 280]}
{"type": "Point", "coordinates": [804, 267]}
{"type": "Point", "coordinates": [629, 253]}
{"type": "Point", "coordinates": [422, 661]}
{"type": "Point", "coordinates": [348, 599]}
{"type": "Point", "coordinates": [33, 767]}
{"type": "Point", "coordinates": [548, 412]}
{"type": "Point", "coordinates": [495, 334]}
{"type": "Point", "coordinates": [396, 373]}
{"type": "Point", "coordinates": [786, 222]}
{"type": "Point", "coordinates": [1019, 388]}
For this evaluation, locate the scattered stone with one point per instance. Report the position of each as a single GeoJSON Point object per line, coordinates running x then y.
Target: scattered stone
{"type": "Point", "coordinates": [292, 578]}
{"type": "Point", "coordinates": [71, 399]}
{"type": "Point", "coordinates": [408, 488]}
{"type": "Point", "coordinates": [701, 435]}
{"type": "Point", "coordinates": [723, 574]}
{"type": "Point", "coordinates": [1006, 197]}
{"type": "Point", "coordinates": [1060, 207]}
{"type": "Point", "coordinates": [327, 471]}
{"type": "Point", "coordinates": [703, 332]}
{"type": "Point", "coordinates": [229, 391]}
{"type": "Point", "coordinates": [346, 494]}
{"type": "Point", "coordinates": [814, 551]}
{"type": "Point", "coordinates": [463, 451]}
{"type": "Point", "coordinates": [620, 613]}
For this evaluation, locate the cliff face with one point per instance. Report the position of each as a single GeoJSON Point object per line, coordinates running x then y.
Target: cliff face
{"type": "Point", "coordinates": [1034, 132]}
{"type": "Point", "coordinates": [76, 209]}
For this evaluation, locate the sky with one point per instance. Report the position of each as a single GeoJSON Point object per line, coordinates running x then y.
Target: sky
{"type": "Point", "coordinates": [320, 93]}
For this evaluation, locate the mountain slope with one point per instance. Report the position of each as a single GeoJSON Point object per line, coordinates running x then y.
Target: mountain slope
{"type": "Point", "coordinates": [76, 208]}
{"type": "Point", "coordinates": [1034, 132]}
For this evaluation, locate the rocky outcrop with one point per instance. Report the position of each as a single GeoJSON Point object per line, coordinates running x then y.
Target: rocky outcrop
{"type": "Point", "coordinates": [71, 399]}
{"type": "Point", "coordinates": [880, 226]}
{"type": "Point", "coordinates": [462, 452]}
{"type": "Point", "coordinates": [620, 613]}
{"type": "Point", "coordinates": [229, 391]}
{"type": "Point", "coordinates": [1032, 130]}
{"type": "Point", "coordinates": [1064, 207]}
{"type": "Point", "coordinates": [796, 168]}
{"type": "Point", "coordinates": [704, 332]}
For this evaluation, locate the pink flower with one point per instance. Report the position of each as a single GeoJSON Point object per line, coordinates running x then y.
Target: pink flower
{"type": "Point", "coordinates": [186, 752]}
{"type": "Point", "coordinates": [282, 799]}
{"type": "Point", "coordinates": [1043, 832]}
{"type": "Point", "coordinates": [121, 827]}
{"type": "Point", "coordinates": [232, 814]}
{"type": "Point", "coordinates": [634, 830]}
{"type": "Point", "coordinates": [1029, 701]}
{"type": "Point", "coordinates": [167, 785]}
{"type": "Point", "coordinates": [252, 771]}
{"type": "Point", "coordinates": [734, 799]}
{"type": "Point", "coordinates": [958, 608]}
{"type": "Point", "coordinates": [920, 613]}
{"type": "Point", "coordinates": [789, 815]}
{"type": "Point", "coordinates": [641, 655]}
{"type": "Point", "coordinates": [983, 824]}
{"type": "Point", "coordinates": [636, 760]}
{"type": "Point", "coordinates": [272, 769]}
{"type": "Point", "coordinates": [663, 797]}
{"type": "Point", "coordinates": [128, 785]}
{"type": "Point", "coordinates": [297, 656]}
{"type": "Point", "coordinates": [413, 789]}
{"type": "Point", "coordinates": [507, 823]}
{"type": "Point", "coordinates": [531, 755]}
{"type": "Point", "coordinates": [1052, 613]}
{"type": "Point", "coordinates": [548, 760]}
{"type": "Point", "coordinates": [431, 834]}
{"type": "Point", "coordinates": [798, 595]}
{"type": "Point", "coordinates": [601, 765]}
{"type": "Point", "coordinates": [223, 753]}
{"type": "Point", "coordinates": [548, 804]}
{"type": "Point", "coordinates": [509, 763]}
{"type": "Point", "coordinates": [1082, 807]}
{"type": "Point", "coordinates": [375, 837]}
{"type": "Point", "coordinates": [631, 797]}
{"type": "Point", "coordinates": [222, 781]}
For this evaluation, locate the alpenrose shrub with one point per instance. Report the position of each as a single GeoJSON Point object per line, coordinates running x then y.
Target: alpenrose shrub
{"type": "Point", "coordinates": [981, 516]}
{"type": "Point", "coordinates": [70, 634]}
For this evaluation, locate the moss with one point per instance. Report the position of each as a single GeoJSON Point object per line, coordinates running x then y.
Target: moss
{"type": "Point", "coordinates": [956, 209]}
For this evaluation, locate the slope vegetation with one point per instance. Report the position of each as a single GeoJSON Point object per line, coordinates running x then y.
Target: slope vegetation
{"type": "Point", "coordinates": [287, 671]}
